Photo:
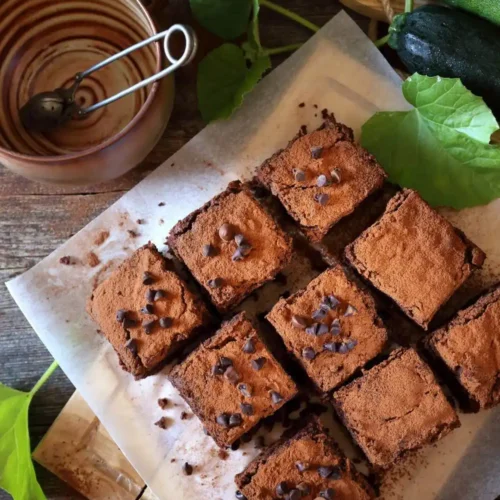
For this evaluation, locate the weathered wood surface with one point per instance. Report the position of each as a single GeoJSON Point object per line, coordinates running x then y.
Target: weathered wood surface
{"type": "Point", "coordinates": [35, 219]}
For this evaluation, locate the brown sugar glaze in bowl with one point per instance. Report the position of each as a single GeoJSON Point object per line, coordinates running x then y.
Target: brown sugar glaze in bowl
{"type": "Point", "coordinates": [44, 44]}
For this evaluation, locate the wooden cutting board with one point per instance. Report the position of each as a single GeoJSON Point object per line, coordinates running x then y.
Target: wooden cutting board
{"type": "Point", "coordinates": [79, 450]}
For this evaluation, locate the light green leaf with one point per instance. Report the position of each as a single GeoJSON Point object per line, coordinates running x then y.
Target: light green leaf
{"type": "Point", "coordinates": [225, 18]}
{"type": "Point", "coordinates": [224, 79]}
{"type": "Point", "coordinates": [439, 148]}
{"type": "Point", "coordinates": [17, 474]}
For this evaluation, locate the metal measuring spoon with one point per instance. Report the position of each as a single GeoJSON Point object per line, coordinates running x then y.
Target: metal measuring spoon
{"type": "Point", "coordinates": [50, 110]}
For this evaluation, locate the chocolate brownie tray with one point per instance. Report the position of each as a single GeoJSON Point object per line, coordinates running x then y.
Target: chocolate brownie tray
{"type": "Point", "coordinates": [142, 312]}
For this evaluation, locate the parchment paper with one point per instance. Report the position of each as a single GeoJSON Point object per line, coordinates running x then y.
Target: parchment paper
{"type": "Point", "coordinates": [340, 69]}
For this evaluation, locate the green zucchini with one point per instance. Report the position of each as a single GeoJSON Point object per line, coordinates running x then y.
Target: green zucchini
{"type": "Point", "coordinates": [435, 40]}
{"type": "Point", "coordinates": [489, 9]}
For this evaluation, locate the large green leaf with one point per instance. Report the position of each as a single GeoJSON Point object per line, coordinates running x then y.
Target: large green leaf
{"type": "Point", "coordinates": [17, 474]}
{"type": "Point", "coordinates": [224, 79]}
{"type": "Point", "coordinates": [439, 148]}
{"type": "Point", "coordinates": [225, 18]}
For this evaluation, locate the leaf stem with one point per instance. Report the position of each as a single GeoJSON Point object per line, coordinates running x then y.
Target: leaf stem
{"type": "Point", "coordinates": [291, 15]}
{"type": "Point", "coordinates": [408, 5]}
{"type": "Point", "coordinates": [44, 378]}
{"type": "Point", "coordinates": [280, 50]}
{"type": "Point", "coordinates": [381, 41]}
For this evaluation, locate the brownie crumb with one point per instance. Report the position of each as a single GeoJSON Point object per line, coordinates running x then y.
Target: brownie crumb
{"type": "Point", "coordinates": [161, 204]}
{"type": "Point", "coordinates": [172, 164]}
{"type": "Point", "coordinates": [163, 422]}
{"type": "Point", "coordinates": [93, 259]}
{"type": "Point", "coordinates": [315, 105]}
{"type": "Point", "coordinates": [325, 114]}
{"type": "Point", "coordinates": [66, 260]}
{"type": "Point", "coordinates": [161, 222]}
{"type": "Point", "coordinates": [172, 460]}
{"type": "Point", "coordinates": [302, 104]}
{"type": "Point", "coordinates": [101, 238]}
{"type": "Point", "coordinates": [303, 129]}
{"type": "Point", "coordinates": [223, 454]}
{"type": "Point", "coordinates": [132, 233]}
{"type": "Point", "coordinates": [185, 415]}
{"type": "Point", "coordinates": [140, 221]}
{"type": "Point", "coordinates": [163, 403]}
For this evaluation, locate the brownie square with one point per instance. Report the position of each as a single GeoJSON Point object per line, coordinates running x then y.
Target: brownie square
{"type": "Point", "coordinates": [397, 406]}
{"type": "Point", "coordinates": [146, 311]}
{"type": "Point", "coordinates": [321, 177]}
{"type": "Point", "coordinates": [307, 464]}
{"type": "Point", "coordinates": [231, 246]}
{"type": "Point", "coordinates": [469, 347]}
{"type": "Point", "coordinates": [232, 381]}
{"type": "Point", "coordinates": [414, 256]}
{"type": "Point", "coordinates": [331, 327]}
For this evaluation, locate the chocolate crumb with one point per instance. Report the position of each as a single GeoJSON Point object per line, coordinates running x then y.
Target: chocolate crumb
{"type": "Point", "coordinates": [140, 221]}
{"type": "Point", "coordinates": [187, 468]}
{"type": "Point", "coordinates": [315, 105]}
{"type": "Point", "coordinates": [163, 422]}
{"type": "Point", "coordinates": [66, 260]}
{"type": "Point", "coordinates": [223, 455]}
{"type": "Point", "coordinates": [93, 260]}
{"type": "Point", "coordinates": [324, 113]}
{"type": "Point", "coordinates": [161, 204]}
{"type": "Point", "coordinates": [302, 104]}
{"type": "Point", "coordinates": [101, 237]}
{"type": "Point", "coordinates": [260, 442]}
{"type": "Point", "coordinates": [163, 403]}
{"type": "Point", "coordinates": [235, 445]}
{"type": "Point", "coordinates": [132, 233]}
{"type": "Point", "coordinates": [303, 129]}
{"type": "Point", "coordinates": [185, 415]}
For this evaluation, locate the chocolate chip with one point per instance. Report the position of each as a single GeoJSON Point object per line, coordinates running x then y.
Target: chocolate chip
{"type": "Point", "coordinates": [258, 363]}
{"type": "Point", "coordinates": [225, 362]}
{"type": "Point", "coordinates": [121, 314]}
{"type": "Point", "coordinates": [302, 466]}
{"type": "Point", "coordinates": [335, 327]}
{"type": "Point", "coordinates": [260, 442]}
{"type": "Point", "coordinates": [249, 347]}
{"type": "Point", "coordinates": [217, 369]}
{"type": "Point", "coordinates": [163, 403]}
{"type": "Point", "coordinates": [313, 329]}
{"type": "Point", "coordinates": [276, 397]}
{"type": "Point", "coordinates": [147, 278]}
{"type": "Point", "coordinates": [237, 255]}
{"type": "Point", "coordinates": [304, 489]}
{"type": "Point", "coordinates": [299, 322]}
{"type": "Point", "coordinates": [160, 294]}
{"type": "Point", "coordinates": [129, 323]}
{"type": "Point", "coordinates": [240, 239]}
{"type": "Point", "coordinates": [235, 445]}
{"type": "Point", "coordinates": [232, 375]}
{"type": "Point", "coordinates": [215, 283]}
{"type": "Point", "coordinates": [330, 346]}
{"type": "Point", "coordinates": [187, 468]}
{"type": "Point", "coordinates": [329, 302]}
{"type": "Point", "coordinates": [336, 177]}
{"type": "Point", "coordinates": [350, 311]}
{"type": "Point", "coordinates": [322, 198]}
{"type": "Point", "coordinates": [343, 349]}
{"type": "Point", "coordinates": [131, 345]}
{"type": "Point", "coordinates": [294, 494]}
{"type": "Point", "coordinates": [245, 389]}
{"type": "Point", "coordinates": [324, 471]}
{"type": "Point", "coordinates": [239, 495]}
{"type": "Point", "coordinates": [66, 260]}
{"type": "Point", "coordinates": [223, 419]}
{"type": "Point", "coordinates": [316, 152]}
{"type": "Point", "coordinates": [299, 175]}
{"type": "Point", "coordinates": [148, 309]}
{"type": "Point", "coordinates": [308, 353]}
{"type": "Point", "coordinates": [322, 181]}
{"type": "Point", "coordinates": [319, 314]}
{"type": "Point", "coordinates": [246, 408]}
{"type": "Point", "coordinates": [226, 232]}
{"type": "Point", "coordinates": [235, 420]}
{"type": "Point", "coordinates": [336, 473]}
{"type": "Point", "coordinates": [166, 322]}
{"type": "Point", "coordinates": [150, 295]}
{"type": "Point", "coordinates": [322, 329]}
{"type": "Point", "coordinates": [148, 326]}
{"type": "Point", "coordinates": [282, 489]}
{"type": "Point", "coordinates": [185, 415]}
{"type": "Point", "coordinates": [328, 494]}
{"type": "Point", "coordinates": [351, 344]}
{"type": "Point", "coordinates": [208, 250]}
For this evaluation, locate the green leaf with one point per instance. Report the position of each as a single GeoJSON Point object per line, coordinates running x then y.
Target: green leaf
{"type": "Point", "coordinates": [224, 79]}
{"type": "Point", "coordinates": [439, 148]}
{"type": "Point", "coordinates": [17, 474]}
{"type": "Point", "coordinates": [225, 18]}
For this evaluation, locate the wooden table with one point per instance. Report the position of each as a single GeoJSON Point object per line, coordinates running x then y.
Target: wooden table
{"type": "Point", "coordinates": [35, 219]}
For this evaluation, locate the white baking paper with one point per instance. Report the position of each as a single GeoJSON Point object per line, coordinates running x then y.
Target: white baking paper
{"type": "Point", "coordinates": [338, 69]}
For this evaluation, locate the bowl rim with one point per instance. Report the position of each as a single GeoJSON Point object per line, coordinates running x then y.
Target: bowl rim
{"type": "Point", "coordinates": [115, 138]}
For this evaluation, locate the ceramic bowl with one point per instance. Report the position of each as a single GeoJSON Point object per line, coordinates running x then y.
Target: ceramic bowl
{"type": "Point", "coordinates": [44, 43]}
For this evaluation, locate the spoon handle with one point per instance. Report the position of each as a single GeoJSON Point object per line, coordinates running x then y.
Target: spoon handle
{"type": "Point", "coordinates": [188, 55]}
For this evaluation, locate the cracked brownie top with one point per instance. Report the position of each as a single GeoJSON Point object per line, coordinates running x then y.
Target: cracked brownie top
{"type": "Point", "coordinates": [146, 311]}
{"type": "Point", "coordinates": [415, 256]}
{"type": "Point", "coordinates": [397, 406]}
{"type": "Point", "coordinates": [321, 177]}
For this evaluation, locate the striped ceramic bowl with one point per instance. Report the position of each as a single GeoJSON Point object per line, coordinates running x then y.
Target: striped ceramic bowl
{"type": "Point", "coordinates": [44, 43]}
